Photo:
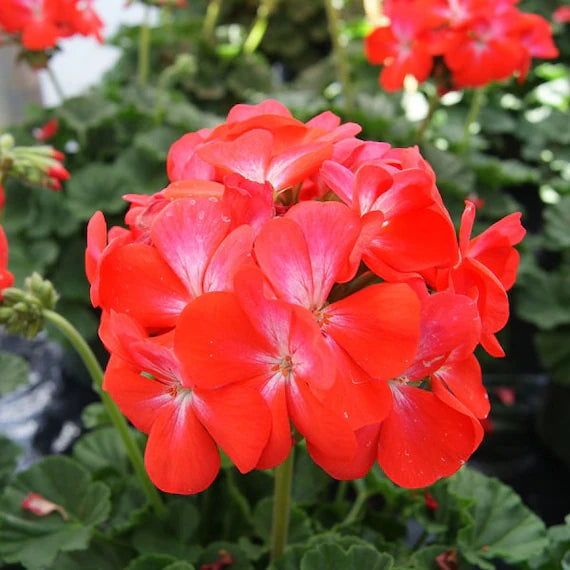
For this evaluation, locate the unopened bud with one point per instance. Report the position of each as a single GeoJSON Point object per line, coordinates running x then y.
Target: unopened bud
{"type": "Point", "coordinates": [13, 295]}
{"type": "Point", "coordinates": [42, 290]}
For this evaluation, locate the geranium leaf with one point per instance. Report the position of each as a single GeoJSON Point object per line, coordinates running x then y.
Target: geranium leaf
{"type": "Point", "coordinates": [33, 540]}
{"type": "Point", "coordinates": [554, 351]}
{"type": "Point", "coordinates": [171, 536]}
{"type": "Point", "coordinates": [357, 556]}
{"type": "Point", "coordinates": [9, 453]}
{"type": "Point", "coordinates": [219, 551]}
{"type": "Point", "coordinates": [158, 562]}
{"type": "Point", "coordinates": [14, 372]}
{"type": "Point", "coordinates": [99, 555]}
{"type": "Point", "coordinates": [498, 524]}
{"type": "Point", "coordinates": [557, 224]}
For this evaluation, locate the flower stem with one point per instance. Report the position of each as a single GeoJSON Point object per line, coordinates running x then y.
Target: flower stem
{"type": "Point", "coordinates": [144, 48]}
{"type": "Point", "coordinates": [118, 420]}
{"type": "Point", "coordinates": [476, 103]}
{"type": "Point", "coordinates": [433, 105]}
{"type": "Point", "coordinates": [211, 19]}
{"type": "Point", "coordinates": [282, 506]}
{"type": "Point", "coordinates": [255, 36]}
{"type": "Point", "coordinates": [55, 82]}
{"type": "Point", "coordinates": [340, 54]}
{"type": "Point", "coordinates": [362, 496]}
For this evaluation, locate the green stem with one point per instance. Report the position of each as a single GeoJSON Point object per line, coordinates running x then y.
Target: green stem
{"type": "Point", "coordinates": [255, 36]}
{"type": "Point", "coordinates": [340, 492]}
{"type": "Point", "coordinates": [362, 496]}
{"type": "Point", "coordinates": [433, 105]}
{"type": "Point", "coordinates": [281, 506]}
{"type": "Point", "coordinates": [211, 19]}
{"type": "Point", "coordinates": [476, 103]}
{"type": "Point", "coordinates": [55, 82]}
{"type": "Point", "coordinates": [118, 420]}
{"type": "Point", "coordinates": [340, 55]}
{"type": "Point", "coordinates": [144, 48]}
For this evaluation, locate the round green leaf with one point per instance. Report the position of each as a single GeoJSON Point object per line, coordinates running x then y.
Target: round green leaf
{"type": "Point", "coordinates": [34, 540]}
{"type": "Point", "coordinates": [14, 372]}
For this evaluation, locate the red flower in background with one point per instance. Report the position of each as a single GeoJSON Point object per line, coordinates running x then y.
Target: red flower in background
{"type": "Point", "coordinates": [39, 24]}
{"type": "Point", "coordinates": [480, 41]}
{"type": "Point", "coordinates": [6, 278]}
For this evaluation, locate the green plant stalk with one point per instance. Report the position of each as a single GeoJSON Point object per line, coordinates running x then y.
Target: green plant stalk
{"type": "Point", "coordinates": [55, 82]}
{"type": "Point", "coordinates": [281, 506]}
{"type": "Point", "coordinates": [255, 36]}
{"type": "Point", "coordinates": [475, 107]}
{"type": "Point", "coordinates": [211, 19]}
{"type": "Point", "coordinates": [118, 420]}
{"type": "Point", "coordinates": [434, 100]}
{"type": "Point", "coordinates": [144, 49]}
{"type": "Point", "coordinates": [362, 496]}
{"type": "Point", "coordinates": [340, 55]}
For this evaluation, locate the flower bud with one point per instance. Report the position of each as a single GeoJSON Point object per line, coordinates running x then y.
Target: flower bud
{"type": "Point", "coordinates": [42, 290]}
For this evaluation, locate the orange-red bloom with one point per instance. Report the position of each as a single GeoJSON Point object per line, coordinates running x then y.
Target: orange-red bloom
{"type": "Point", "coordinates": [235, 305]}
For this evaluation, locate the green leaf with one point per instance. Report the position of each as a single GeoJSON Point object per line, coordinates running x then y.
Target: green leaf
{"type": "Point", "coordinates": [158, 562]}
{"type": "Point", "coordinates": [9, 453]}
{"type": "Point", "coordinates": [545, 299]}
{"type": "Point", "coordinates": [309, 480]}
{"type": "Point", "coordinates": [34, 540]}
{"type": "Point", "coordinates": [357, 556]}
{"type": "Point", "coordinates": [452, 174]}
{"type": "Point", "coordinates": [94, 415]}
{"type": "Point", "coordinates": [101, 450]}
{"type": "Point", "coordinates": [14, 372]}
{"type": "Point", "coordinates": [86, 112]}
{"type": "Point", "coordinates": [129, 505]}
{"type": "Point", "coordinates": [97, 187]}
{"type": "Point", "coordinates": [498, 525]}
{"type": "Point", "coordinates": [558, 550]}
{"type": "Point", "coordinates": [554, 351]}
{"type": "Point", "coordinates": [156, 143]}
{"type": "Point", "coordinates": [100, 555]}
{"type": "Point", "coordinates": [557, 224]}
{"type": "Point", "coordinates": [172, 535]}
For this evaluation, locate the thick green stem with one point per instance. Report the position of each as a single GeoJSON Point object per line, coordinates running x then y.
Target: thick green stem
{"type": "Point", "coordinates": [55, 82]}
{"type": "Point", "coordinates": [144, 48]}
{"type": "Point", "coordinates": [118, 420]}
{"type": "Point", "coordinates": [211, 19]}
{"type": "Point", "coordinates": [433, 105]}
{"type": "Point", "coordinates": [255, 36]}
{"type": "Point", "coordinates": [476, 103]}
{"type": "Point", "coordinates": [281, 506]}
{"type": "Point", "coordinates": [340, 55]}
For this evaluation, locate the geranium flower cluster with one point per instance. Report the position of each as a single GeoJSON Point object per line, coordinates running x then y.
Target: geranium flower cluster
{"type": "Point", "coordinates": [38, 25]}
{"type": "Point", "coordinates": [295, 281]}
{"type": "Point", "coordinates": [461, 43]}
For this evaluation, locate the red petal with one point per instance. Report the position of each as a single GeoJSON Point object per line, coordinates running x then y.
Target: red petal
{"type": "Point", "coordinates": [140, 398]}
{"type": "Point", "coordinates": [248, 155]}
{"type": "Point", "coordinates": [283, 255]}
{"type": "Point", "coordinates": [186, 234]}
{"type": "Point", "coordinates": [280, 439]}
{"type": "Point", "coordinates": [379, 327]}
{"type": "Point", "coordinates": [360, 464]}
{"type": "Point", "coordinates": [238, 419]}
{"type": "Point", "coordinates": [330, 230]}
{"type": "Point", "coordinates": [137, 281]}
{"type": "Point", "coordinates": [323, 429]}
{"type": "Point", "coordinates": [463, 378]}
{"type": "Point", "coordinates": [224, 347]}
{"type": "Point", "coordinates": [423, 439]}
{"type": "Point", "coordinates": [181, 457]}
